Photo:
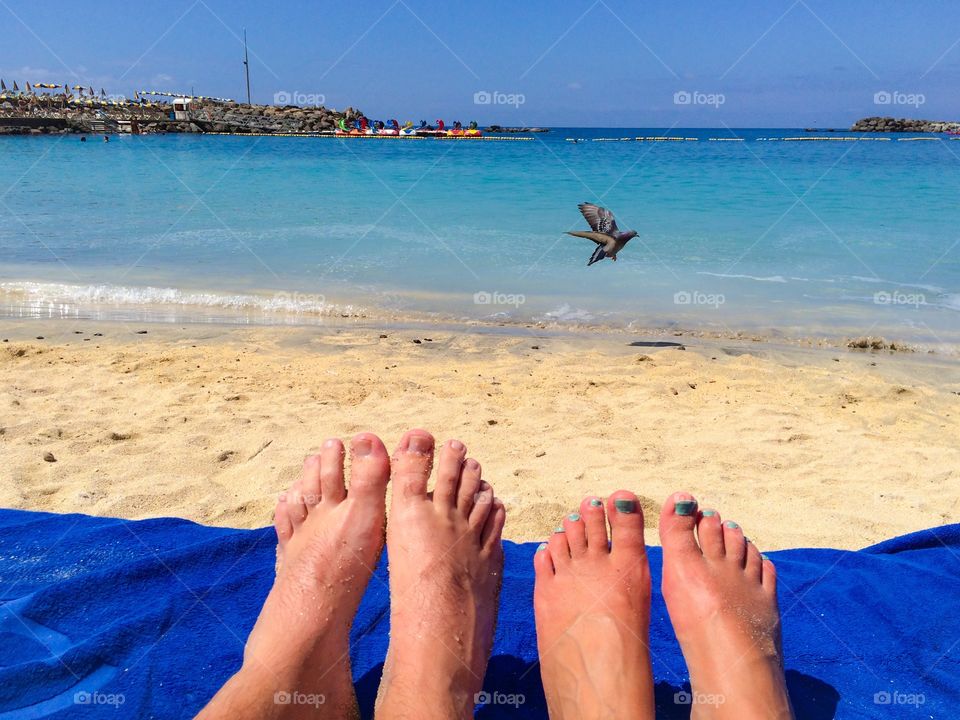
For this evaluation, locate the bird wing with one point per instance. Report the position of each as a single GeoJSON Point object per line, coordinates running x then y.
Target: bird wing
{"type": "Point", "coordinates": [598, 237]}
{"type": "Point", "coordinates": [600, 219]}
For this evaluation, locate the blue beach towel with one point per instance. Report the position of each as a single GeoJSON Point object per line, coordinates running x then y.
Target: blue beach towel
{"type": "Point", "coordinates": [107, 618]}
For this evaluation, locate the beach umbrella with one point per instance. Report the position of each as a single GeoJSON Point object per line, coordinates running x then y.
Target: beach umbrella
{"type": "Point", "coordinates": [3, 85]}
{"type": "Point", "coordinates": [15, 88]}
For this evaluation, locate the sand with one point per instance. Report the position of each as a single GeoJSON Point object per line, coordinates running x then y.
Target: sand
{"type": "Point", "coordinates": [814, 447]}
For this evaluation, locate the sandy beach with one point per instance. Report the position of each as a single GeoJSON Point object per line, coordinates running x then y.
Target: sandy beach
{"type": "Point", "coordinates": [803, 447]}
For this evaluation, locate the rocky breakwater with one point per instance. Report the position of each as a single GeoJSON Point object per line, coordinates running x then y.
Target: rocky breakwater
{"type": "Point", "coordinates": [159, 118]}
{"type": "Point", "coordinates": [904, 125]}
{"type": "Point", "coordinates": [268, 119]}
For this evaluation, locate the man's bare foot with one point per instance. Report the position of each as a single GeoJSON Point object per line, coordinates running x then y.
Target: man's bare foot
{"type": "Point", "coordinates": [297, 659]}
{"type": "Point", "coordinates": [592, 605]}
{"type": "Point", "coordinates": [445, 572]}
{"type": "Point", "coordinates": [721, 594]}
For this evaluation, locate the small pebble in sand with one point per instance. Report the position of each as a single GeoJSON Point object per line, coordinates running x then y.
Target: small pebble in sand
{"type": "Point", "coordinates": [541, 453]}
{"type": "Point", "coordinates": [98, 334]}
{"type": "Point", "coordinates": [417, 342]}
{"type": "Point", "coordinates": [48, 457]}
{"type": "Point", "coordinates": [39, 337]}
{"type": "Point", "coordinates": [534, 347]}
{"type": "Point", "coordinates": [491, 422]}
{"type": "Point", "coordinates": [383, 337]}
{"type": "Point", "coordinates": [141, 332]}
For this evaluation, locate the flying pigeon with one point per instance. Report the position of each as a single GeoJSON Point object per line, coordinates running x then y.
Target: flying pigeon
{"type": "Point", "coordinates": [605, 232]}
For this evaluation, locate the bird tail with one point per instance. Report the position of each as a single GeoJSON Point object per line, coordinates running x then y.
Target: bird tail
{"type": "Point", "coordinates": [598, 254]}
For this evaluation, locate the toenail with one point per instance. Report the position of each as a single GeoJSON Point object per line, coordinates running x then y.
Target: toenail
{"type": "Point", "coordinates": [731, 524]}
{"type": "Point", "coordinates": [625, 506]}
{"type": "Point", "coordinates": [596, 502]}
{"type": "Point", "coordinates": [420, 444]}
{"type": "Point", "coordinates": [456, 445]}
{"type": "Point", "coordinates": [685, 507]}
{"type": "Point", "coordinates": [332, 442]}
{"type": "Point", "coordinates": [573, 516]}
{"type": "Point", "coordinates": [709, 513]}
{"type": "Point", "coordinates": [764, 557]}
{"type": "Point", "coordinates": [362, 447]}
{"type": "Point", "coordinates": [558, 529]}
{"type": "Point", "coordinates": [541, 547]}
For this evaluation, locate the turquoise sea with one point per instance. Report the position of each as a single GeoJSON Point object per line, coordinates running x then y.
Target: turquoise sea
{"type": "Point", "coordinates": [756, 234]}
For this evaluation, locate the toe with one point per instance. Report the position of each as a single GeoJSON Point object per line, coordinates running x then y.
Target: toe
{"type": "Point", "coordinates": [754, 563]}
{"type": "Point", "coordinates": [559, 548]}
{"type": "Point", "coordinates": [296, 508]}
{"type": "Point", "coordinates": [310, 481]}
{"type": "Point", "coordinates": [281, 521]}
{"type": "Point", "coordinates": [412, 463]}
{"type": "Point", "coordinates": [769, 576]}
{"type": "Point", "coordinates": [626, 523]}
{"type": "Point", "coordinates": [369, 467]}
{"type": "Point", "coordinates": [481, 509]}
{"type": "Point", "coordinates": [331, 470]}
{"type": "Point", "coordinates": [449, 465]}
{"type": "Point", "coordinates": [493, 527]}
{"type": "Point", "coordinates": [677, 520]}
{"type": "Point", "coordinates": [575, 530]}
{"type": "Point", "coordinates": [543, 563]}
{"type": "Point", "coordinates": [734, 544]}
{"type": "Point", "coordinates": [595, 524]}
{"type": "Point", "coordinates": [710, 534]}
{"type": "Point", "coordinates": [470, 484]}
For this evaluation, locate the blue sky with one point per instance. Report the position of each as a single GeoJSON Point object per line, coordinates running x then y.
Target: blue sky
{"type": "Point", "coordinates": [754, 63]}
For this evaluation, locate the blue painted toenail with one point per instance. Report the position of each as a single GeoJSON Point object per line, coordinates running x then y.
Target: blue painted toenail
{"type": "Point", "coordinates": [625, 506]}
{"type": "Point", "coordinates": [596, 502]}
{"type": "Point", "coordinates": [541, 547]}
{"type": "Point", "coordinates": [709, 513]}
{"type": "Point", "coordinates": [764, 557]}
{"type": "Point", "coordinates": [558, 529]}
{"type": "Point", "coordinates": [573, 517]}
{"type": "Point", "coordinates": [731, 524]}
{"type": "Point", "coordinates": [685, 507]}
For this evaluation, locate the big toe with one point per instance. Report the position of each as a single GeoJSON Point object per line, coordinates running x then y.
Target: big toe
{"type": "Point", "coordinates": [369, 467]}
{"type": "Point", "coordinates": [411, 464]}
{"type": "Point", "coordinates": [626, 524]}
{"type": "Point", "coordinates": [677, 522]}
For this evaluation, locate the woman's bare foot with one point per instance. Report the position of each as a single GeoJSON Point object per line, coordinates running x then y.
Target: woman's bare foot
{"type": "Point", "coordinates": [297, 660]}
{"type": "Point", "coordinates": [445, 571]}
{"type": "Point", "coordinates": [592, 605]}
{"type": "Point", "coordinates": [721, 594]}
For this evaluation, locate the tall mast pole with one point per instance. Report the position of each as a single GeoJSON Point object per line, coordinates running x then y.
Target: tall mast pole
{"type": "Point", "coordinates": [246, 63]}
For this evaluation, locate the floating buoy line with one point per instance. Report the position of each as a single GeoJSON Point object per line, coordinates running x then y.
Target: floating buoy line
{"type": "Point", "coordinates": [802, 138]}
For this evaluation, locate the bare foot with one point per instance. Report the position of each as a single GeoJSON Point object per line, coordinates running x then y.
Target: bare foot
{"type": "Point", "coordinates": [445, 571]}
{"type": "Point", "coordinates": [722, 598]}
{"type": "Point", "coordinates": [592, 605]}
{"type": "Point", "coordinates": [297, 660]}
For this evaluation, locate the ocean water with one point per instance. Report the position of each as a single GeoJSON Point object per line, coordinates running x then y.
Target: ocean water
{"type": "Point", "coordinates": [760, 235]}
